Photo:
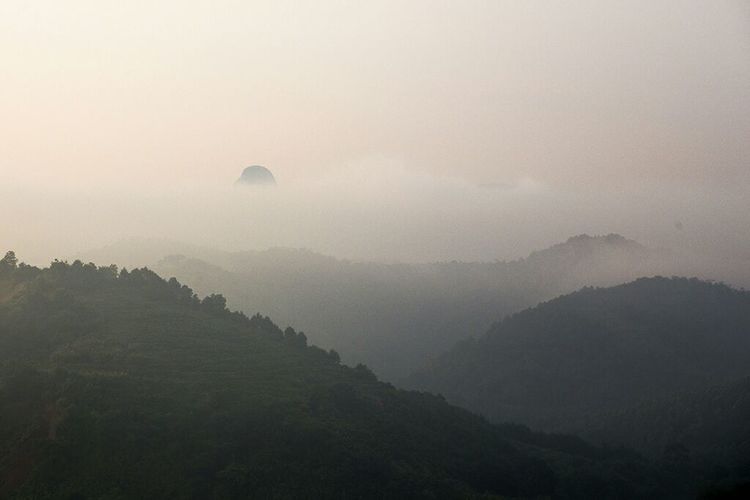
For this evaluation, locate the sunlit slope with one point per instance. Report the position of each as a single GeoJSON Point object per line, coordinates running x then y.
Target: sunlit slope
{"type": "Point", "coordinates": [123, 385]}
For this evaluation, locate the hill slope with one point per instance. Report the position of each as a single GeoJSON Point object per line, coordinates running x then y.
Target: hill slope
{"type": "Point", "coordinates": [599, 350]}
{"type": "Point", "coordinates": [712, 423]}
{"type": "Point", "coordinates": [123, 385]}
{"type": "Point", "coordinates": [393, 317]}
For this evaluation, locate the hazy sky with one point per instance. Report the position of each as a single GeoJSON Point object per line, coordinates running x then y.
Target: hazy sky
{"type": "Point", "coordinates": [398, 130]}
{"type": "Point", "coordinates": [585, 93]}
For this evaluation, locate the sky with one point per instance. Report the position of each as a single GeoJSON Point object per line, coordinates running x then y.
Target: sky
{"type": "Point", "coordinates": [398, 130]}
{"type": "Point", "coordinates": [583, 93]}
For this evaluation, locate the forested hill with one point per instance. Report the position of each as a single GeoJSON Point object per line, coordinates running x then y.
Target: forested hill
{"type": "Point", "coordinates": [124, 385]}
{"type": "Point", "coordinates": [393, 317]}
{"type": "Point", "coordinates": [713, 423]}
{"type": "Point", "coordinates": [599, 350]}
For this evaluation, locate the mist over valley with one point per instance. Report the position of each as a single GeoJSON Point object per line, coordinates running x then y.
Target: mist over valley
{"type": "Point", "coordinates": [418, 249]}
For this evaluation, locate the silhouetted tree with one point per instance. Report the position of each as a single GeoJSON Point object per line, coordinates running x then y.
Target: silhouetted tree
{"type": "Point", "coordinates": [9, 261]}
{"type": "Point", "coordinates": [214, 303]}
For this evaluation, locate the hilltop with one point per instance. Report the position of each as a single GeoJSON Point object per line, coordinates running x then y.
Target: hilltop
{"type": "Point", "coordinates": [121, 384]}
{"type": "Point", "coordinates": [598, 350]}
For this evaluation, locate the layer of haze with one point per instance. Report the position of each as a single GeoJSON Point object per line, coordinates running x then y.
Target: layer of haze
{"type": "Point", "coordinates": [587, 92]}
{"type": "Point", "coordinates": [374, 211]}
{"type": "Point", "coordinates": [421, 130]}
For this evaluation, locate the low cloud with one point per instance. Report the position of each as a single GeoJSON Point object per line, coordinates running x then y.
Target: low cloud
{"type": "Point", "coordinates": [374, 210]}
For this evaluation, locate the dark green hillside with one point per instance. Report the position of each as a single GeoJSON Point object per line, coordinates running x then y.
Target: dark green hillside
{"type": "Point", "coordinates": [599, 350]}
{"type": "Point", "coordinates": [123, 385]}
{"type": "Point", "coordinates": [712, 423]}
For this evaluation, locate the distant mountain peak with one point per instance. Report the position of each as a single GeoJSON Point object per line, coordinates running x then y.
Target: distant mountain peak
{"type": "Point", "coordinates": [611, 238]}
{"type": "Point", "coordinates": [585, 246]}
{"type": "Point", "coordinates": [256, 175]}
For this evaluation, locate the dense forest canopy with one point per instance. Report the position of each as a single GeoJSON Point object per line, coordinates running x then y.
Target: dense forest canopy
{"type": "Point", "coordinates": [119, 384]}
{"type": "Point", "coordinates": [655, 363]}
{"type": "Point", "coordinates": [599, 348]}
{"type": "Point", "coordinates": [712, 422]}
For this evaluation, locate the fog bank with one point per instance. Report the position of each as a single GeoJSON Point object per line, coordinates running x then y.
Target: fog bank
{"type": "Point", "coordinates": [375, 210]}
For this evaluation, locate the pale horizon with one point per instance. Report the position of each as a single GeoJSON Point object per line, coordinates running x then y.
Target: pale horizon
{"type": "Point", "coordinates": [582, 93]}
{"type": "Point", "coordinates": [414, 131]}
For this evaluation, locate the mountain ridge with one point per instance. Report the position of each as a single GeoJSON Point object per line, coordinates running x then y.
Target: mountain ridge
{"type": "Point", "coordinates": [120, 384]}
{"type": "Point", "coordinates": [596, 349]}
